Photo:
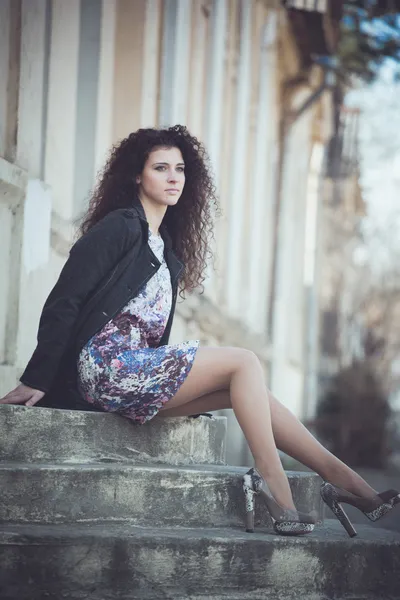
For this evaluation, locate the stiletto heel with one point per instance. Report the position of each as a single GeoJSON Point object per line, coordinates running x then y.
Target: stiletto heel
{"type": "Point", "coordinates": [249, 494]}
{"type": "Point", "coordinates": [285, 521]}
{"type": "Point", "coordinates": [338, 511]}
{"type": "Point", "coordinates": [344, 519]}
{"type": "Point", "coordinates": [334, 497]}
{"type": "Point", "coordinates": [250, 521]}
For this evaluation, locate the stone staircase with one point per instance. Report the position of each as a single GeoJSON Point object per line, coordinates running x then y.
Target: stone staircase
{"type": "Point", "coordinates": [94, 507]}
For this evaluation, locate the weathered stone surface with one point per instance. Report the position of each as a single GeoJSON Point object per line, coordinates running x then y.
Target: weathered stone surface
{"type": "Point", "coordinates": [50, 435]}
{"type": "Point", "coordinates": [122, 562]}
{"type": "Point", "coordinates": [145, 495]}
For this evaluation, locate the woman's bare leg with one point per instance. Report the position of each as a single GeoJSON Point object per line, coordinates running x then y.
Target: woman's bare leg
{"type": "Point", "coordinates": [291, 437]}
{"type": "Point", "coordinates": [209, 402]}
{"type": "Point", "coordinates": [239, 372]}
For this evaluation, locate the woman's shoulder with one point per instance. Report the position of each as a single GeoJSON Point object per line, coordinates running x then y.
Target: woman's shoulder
{"type": "Point", "coordinates": [119, 221]}
{"type": "Point", "coordinates": [121, 214]}
{"type": "Point", "coordinates": [120, 226]}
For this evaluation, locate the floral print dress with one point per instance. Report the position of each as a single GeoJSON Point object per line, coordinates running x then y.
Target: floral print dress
{"type": "Point", "coordinates": [120, 369]}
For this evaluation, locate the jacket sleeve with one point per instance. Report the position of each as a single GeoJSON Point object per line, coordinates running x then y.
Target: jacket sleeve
{"type": "Point", "coordinates": [90, 259]}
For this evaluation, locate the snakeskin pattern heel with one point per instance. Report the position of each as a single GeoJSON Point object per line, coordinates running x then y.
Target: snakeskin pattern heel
{"type": "Point", "coordinates": [330, 497]}
{"type": "Point", "coordinates": [249, 499]}
{"type": "Point", "coordinates": [334, 497]}
{"type": "Point", "coordinates": [285, 521]}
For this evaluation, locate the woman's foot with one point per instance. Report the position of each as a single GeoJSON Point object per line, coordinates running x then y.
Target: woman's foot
{"type": "Point", "coordinates": [286, 521]}
{"type": "Point", "coordinates": [373, 507]}
{"type": "Point", "coordinates": [343, 477]}
{"type": "Point", "coordinates": [278, 486]}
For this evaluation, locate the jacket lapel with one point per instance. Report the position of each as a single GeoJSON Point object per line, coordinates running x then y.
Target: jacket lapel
{"type": "Point", "coordinates": [175, 266]}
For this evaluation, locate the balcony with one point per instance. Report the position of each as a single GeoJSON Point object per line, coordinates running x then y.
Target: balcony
{"type": "Point", "coordinates": [316, 26]}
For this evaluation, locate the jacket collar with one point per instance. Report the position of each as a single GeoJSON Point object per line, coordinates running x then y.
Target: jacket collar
{"type": "Point", "coordinates": [137, 206]}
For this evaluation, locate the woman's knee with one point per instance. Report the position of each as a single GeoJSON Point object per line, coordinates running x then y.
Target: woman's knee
{"type": "Point", "coordinates": [217, 366]}
{"type": "Point", "coordinates": [247, 359]}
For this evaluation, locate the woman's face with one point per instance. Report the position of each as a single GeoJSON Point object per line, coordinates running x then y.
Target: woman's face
{"type": "Point", "coordinates": [163, 177]}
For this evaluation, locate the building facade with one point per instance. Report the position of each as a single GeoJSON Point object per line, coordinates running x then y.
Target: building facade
{"type": "Point", "coordinates": [83, 74]}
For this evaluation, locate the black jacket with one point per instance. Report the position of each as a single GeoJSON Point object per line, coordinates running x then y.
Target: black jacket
{"type": "Point", "coordinates": [105, 269]}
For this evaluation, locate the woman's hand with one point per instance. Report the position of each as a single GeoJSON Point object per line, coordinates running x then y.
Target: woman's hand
{"type": "Point", "coordinates": [22, 394]}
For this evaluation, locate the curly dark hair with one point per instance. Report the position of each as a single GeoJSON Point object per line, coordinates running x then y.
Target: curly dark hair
{"type": "Point", "coordinates": [190, 221]}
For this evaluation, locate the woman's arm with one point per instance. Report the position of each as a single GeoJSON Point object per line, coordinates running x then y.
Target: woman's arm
{"type": "Point", "coordinates": [90, 259]}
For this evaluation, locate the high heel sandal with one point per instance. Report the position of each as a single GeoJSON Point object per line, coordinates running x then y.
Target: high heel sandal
{"type": "Point", "coordinates": [334, 497]}
{"type": "Point", "coordinates": [285, 521]}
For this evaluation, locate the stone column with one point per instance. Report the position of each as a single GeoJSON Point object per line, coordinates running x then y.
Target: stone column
{"type": "Point", "coordinates": [238, 197]}
{"type": "Point", "coordinates": [137, 65]}
{"type": "Point", "coordinates": [151, 64]}
{"type": "Point", "coordinates": [214, 107]}
{"type": "Point", "coordinates": [33, 84]}
{"type": "Point", "coordinates": [4, 70]}
{"type": "Point", "coordinates": [105, 98]}
{"type": "Point", "coordinates": [287, 368]}
{"type": "Point", "coordinates": [59, 168]}
{"type": "Point", "coordinates": [175, 62]}
{"type": "Point", "coordinates": [86, 101]}
{"type": "Point", "coordinates": [199, 68]}
{"type": "Point", "coordinates": [214, 113]}
{"type": "Point", "coordinates": [260, 244]}
{"type": "Point", "coordinates": [311, 278]}
{"type": "Point", "coordinates": [25, 204]}
{"type": "Point", "coordinates": [10, 49]}
{"type": "Point", "coordinates": [228, 132]}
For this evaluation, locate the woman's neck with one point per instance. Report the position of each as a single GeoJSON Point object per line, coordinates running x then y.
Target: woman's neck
{"type": "Point", "coordinates": [154, 214]}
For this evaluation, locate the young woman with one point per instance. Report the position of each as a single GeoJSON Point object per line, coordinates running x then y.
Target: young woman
{"type": "Point", "coordinates": [103, 334]}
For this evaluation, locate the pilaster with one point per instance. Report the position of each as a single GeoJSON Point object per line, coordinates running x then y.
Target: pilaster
{"type": "Point", "coordinates": [59, 168]}
{"type": "Point", "coordinates": [35, 31]}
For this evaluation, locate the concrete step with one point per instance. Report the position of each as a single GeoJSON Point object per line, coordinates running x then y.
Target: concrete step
{"type": "Point", "coordinates": [142, 495]}
{"type": "Point", "coordinates": [50, 435]}
{"type": "Point", "coordinates": [105, 562]}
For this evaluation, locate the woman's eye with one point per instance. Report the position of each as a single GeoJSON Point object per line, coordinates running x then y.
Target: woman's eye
{"type": "Point", "coordinates": [181, 169]}
{"type": "Point", "coordinates": [160, 168]}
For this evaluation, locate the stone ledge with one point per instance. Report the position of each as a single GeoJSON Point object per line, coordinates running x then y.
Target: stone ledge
{"type": "Point", "coordinates": [62, 436]}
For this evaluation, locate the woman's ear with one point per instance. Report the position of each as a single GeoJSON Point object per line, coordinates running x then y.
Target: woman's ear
{"type": "Point", "coordinates": [138, 180]}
